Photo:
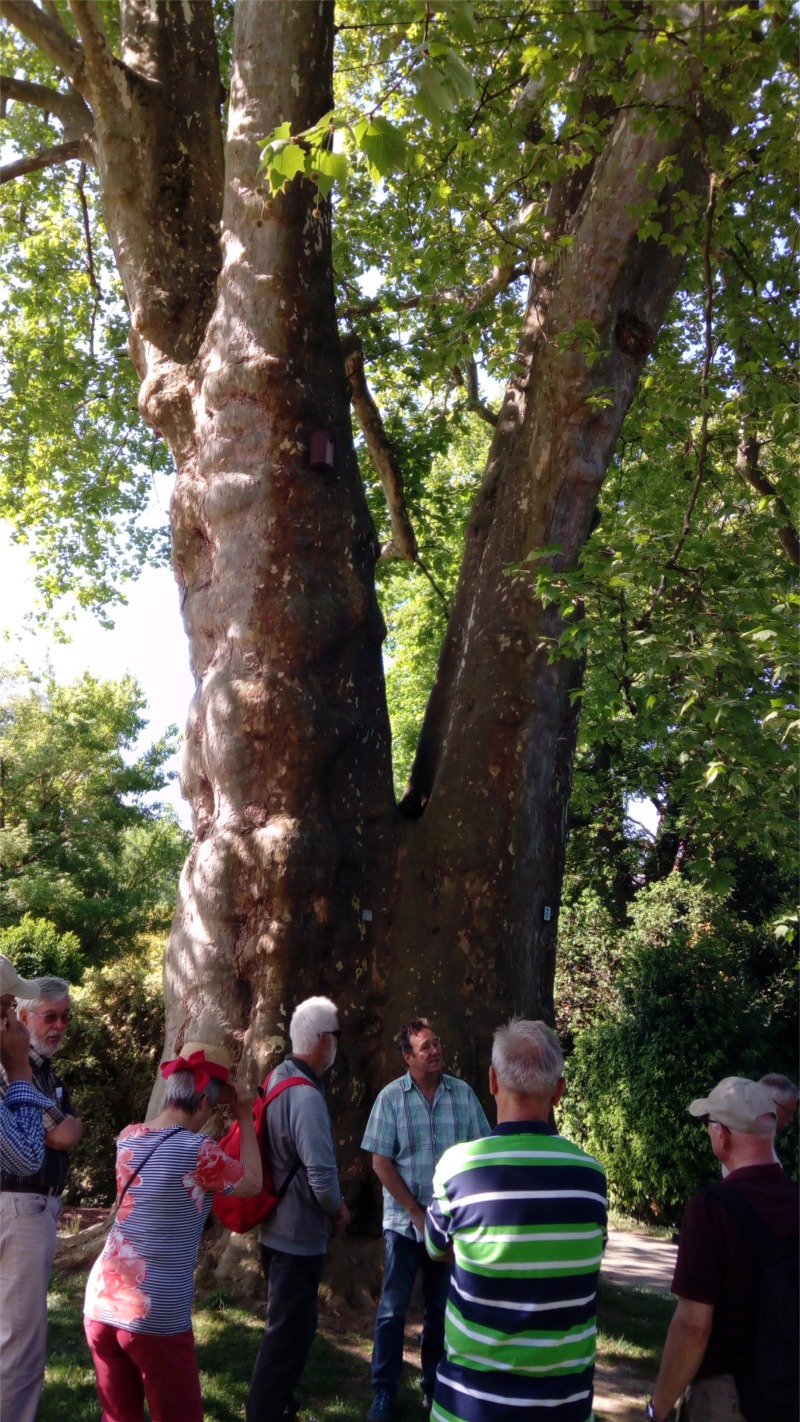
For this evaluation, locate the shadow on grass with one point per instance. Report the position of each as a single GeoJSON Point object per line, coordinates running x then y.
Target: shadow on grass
{"type": "Point", "coordinates": [335, 1386]}
{"type": "Point", "coordinates": [632, 1325]}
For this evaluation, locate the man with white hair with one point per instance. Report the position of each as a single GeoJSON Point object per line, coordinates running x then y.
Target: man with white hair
{"type": "Point", "coordinates": [523, 1212]}
{"type": "Point", "coordinates": [294, 1239]}
{"type": "Point", "coordinates": [730, 1234]}
{"type": "Point", "coordinates": [30, 1204]}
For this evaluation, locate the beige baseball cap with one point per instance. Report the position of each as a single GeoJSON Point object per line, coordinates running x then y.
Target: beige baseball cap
{"type": "Point", "coordinates": [740, 1104]}
{"type": "Point", "coordinates": [11, 982]}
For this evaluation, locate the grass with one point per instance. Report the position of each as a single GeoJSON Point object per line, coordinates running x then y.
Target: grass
{"type": "Point", "coordinates": [335, 1387]}
{"type": "Point", "coordinates": [632, 1324]}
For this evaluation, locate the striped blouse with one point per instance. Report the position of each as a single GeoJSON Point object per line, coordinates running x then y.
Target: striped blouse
{"type": "Point", "coordinates": [144, 1278]}
{"type": "Point", "coordinates": [525, 1211]}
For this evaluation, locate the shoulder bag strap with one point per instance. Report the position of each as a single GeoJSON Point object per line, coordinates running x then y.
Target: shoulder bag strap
{"type": "Point", "coordinates": [138, 1168]}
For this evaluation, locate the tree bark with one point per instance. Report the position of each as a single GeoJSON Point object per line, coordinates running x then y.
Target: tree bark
{"type": "Point", "coordinates": [287, 757]}
{"type": "Point", "coordinates": [483, 859]}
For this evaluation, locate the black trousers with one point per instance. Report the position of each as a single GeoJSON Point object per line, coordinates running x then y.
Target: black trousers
{"type": "Point", "coordinates": [292, 1284]}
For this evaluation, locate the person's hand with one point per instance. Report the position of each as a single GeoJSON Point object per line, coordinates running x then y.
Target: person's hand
{"type": "Point", "coordinates": [341, 1219]}
{"type": "Point", "coordinates": [418, 1218]}
{"type": "Point", "coordinates": [242, 1103]}
{"type": "Point", "coordinates": [14, 1047]}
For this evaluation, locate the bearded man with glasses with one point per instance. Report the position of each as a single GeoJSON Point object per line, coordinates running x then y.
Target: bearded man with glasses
{"type": "Point", "coordinates": [29, 1210]}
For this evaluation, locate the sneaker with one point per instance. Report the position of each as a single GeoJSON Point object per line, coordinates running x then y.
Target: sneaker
{"type": "Point", "coordinates": [382, 1406]}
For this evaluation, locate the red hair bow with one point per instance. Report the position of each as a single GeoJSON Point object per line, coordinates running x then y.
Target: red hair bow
{"type": "Point", "coordinates": [202, 1068]}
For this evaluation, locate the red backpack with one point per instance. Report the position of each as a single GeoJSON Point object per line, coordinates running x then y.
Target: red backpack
{"type": "Point", "coordinates": [237, 1213]}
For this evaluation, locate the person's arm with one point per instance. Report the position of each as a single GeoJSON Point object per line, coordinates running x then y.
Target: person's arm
{"type": "Point", "coordinates": [310, 1131]}
{"type": "Point", "coordinates": [249, 1150]}
{"type": "Point", "coordinates": [66, 1134]}
{"type": "Point", "coordinates": [684, 1350]}
{"type": "Point", "coordinates": [479, 1125]}
{"type": "Point", "coordinates": [392, 1181]}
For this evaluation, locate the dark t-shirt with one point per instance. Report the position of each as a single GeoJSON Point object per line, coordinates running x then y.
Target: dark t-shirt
{"type": "Point", "coordinates": [717, 1265]}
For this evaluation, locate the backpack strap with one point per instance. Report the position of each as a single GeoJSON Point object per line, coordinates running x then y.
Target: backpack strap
{"type": "Point", "coordinates": [269, 1095]}
{"type": "Point", "coordinates": [765, 1242]}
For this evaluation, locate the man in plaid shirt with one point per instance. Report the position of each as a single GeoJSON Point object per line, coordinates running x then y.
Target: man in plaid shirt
{"type": "Point", "coordinates": [30, 1204]}
{"type": "Point", "coordinates": [21, 1122]}
{"type": "Point", "coordinates": [413, 1122]}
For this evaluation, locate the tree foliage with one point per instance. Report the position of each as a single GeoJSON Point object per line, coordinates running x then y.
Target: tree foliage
{"type": "Point", "coordinates": [698, 994]}
{"type": "Point", "coordinates": [109, 1057]}
{"type": "Point", "coordinates": [80, 844]}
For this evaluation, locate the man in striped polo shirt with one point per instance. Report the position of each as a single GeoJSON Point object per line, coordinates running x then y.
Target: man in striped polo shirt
{"type": "Point", "coordinates": [523, 1213]}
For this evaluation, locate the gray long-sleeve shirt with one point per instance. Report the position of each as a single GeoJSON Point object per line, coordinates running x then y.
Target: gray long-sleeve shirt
{"type": "Point", "coordinates": [299, 1125]}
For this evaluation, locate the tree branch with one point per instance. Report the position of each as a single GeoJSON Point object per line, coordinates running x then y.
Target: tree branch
{"type": "Point", "coordinates": [49, 35]}
{"type": "Point", "coordinates": [474, 401]}
{"type": "Point", "coordinates": [403, 542]}
{"type": "Point", "coordinates": [671, 564]}
{"type": "Point", "coordinates": [87, 234]}
{"type": "Point", "coordinates": [98, 55]}
{"type": "Point", "coordinates": [747, 465]}
{"type": "Point", "coordinates": [69, 109]}
{"type": "Point", "coordinates": [46, 158]}
{"type": "Point", "coordinates": [469, 301]}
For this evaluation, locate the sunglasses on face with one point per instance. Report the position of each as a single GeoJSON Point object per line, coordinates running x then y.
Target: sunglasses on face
{"type": "Point", "coordinates": [50, 1018]}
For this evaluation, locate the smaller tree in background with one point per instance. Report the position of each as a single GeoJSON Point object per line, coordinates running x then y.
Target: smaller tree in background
{"type": "Point", "coordinates": [80, 846]}
{"type": "Point", "coordinates": [110, 1056]}
{"type": "Point", "coordinates": [699, 994]}
{"type": "Point", "coordinates": [38, 950]}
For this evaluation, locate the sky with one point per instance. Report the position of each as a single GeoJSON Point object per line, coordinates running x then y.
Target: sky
{"type": "Point", "coordinates": [147, 640]}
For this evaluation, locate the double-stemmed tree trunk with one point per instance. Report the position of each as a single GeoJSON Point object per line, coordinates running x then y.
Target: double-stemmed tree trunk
{"type": "Point", "coordinates": [304, 876]}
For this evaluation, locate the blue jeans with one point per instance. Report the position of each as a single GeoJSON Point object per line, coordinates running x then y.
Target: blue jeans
{"type": "Point", "coordinates": [403, 1258]}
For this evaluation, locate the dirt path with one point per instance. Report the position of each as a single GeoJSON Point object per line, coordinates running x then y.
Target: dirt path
{"type": "Point", "coordinates": [620, 1391]}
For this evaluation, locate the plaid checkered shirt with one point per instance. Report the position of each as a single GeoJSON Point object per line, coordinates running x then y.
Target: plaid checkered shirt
{"type": "Point", "coordinates": [415, 1135]}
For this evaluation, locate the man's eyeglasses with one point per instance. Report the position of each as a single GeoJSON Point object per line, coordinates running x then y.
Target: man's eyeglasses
{"type": "Point", "coordinates": [332, 1032]}
{"type": "Point", "coordinates": [51, 1018]}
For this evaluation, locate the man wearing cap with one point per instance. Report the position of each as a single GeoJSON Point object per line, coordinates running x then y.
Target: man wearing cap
{"type": "Point", "coordinates": [710, 1354]}
{"type": "Point", "coordinates": [294, 1239]}
{"type": "Point", "coordinates": [30, 1203]}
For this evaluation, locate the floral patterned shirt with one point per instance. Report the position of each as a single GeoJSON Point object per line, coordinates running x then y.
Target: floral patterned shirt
{"type": "Point", "coordinates": [144, 1278]}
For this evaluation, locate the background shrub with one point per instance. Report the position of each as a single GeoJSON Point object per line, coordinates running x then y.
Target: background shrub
{"type": "Point", "coordinates": [109, 1061]}
{"type": "Point", "coordinates": [700, 995]}
{"type": "Point", "coordinates": [38, 950]}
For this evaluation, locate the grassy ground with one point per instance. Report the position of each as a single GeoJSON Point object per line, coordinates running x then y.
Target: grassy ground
{"type": "Point", "coordinates": [335, 1386]}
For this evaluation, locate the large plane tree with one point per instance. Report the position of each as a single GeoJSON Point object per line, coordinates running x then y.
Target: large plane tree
{"type": "Point", "coordinates": [539, 177]}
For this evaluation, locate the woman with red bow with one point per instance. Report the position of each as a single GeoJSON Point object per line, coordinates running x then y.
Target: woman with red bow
{"type": "Point", "coordinates": [139, 1294]}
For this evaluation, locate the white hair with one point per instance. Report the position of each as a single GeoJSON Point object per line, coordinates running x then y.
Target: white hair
{"type": "Point", "coordinates": [50, 990]}
{"type": "Point", "coordinates": [315, 1015]}
{"type": "Point", "coordinates": [181, 1093]}
{"type": "Point", "coordinates": [527, 1058]}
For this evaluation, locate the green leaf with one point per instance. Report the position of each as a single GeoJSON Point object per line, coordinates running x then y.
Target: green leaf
{"type": "Point", "coordinates": [458, 77]}
{"type": "Point", "coordinates": [434, 95]}
{"type": "Point", "coordinates": [383, 146]}
{"type": "Point", "coordinates": [461, 18]}
{"type": "Point", "coordinates": [325, 168]}
{"type": "Point", "coordinates": [282, 164]}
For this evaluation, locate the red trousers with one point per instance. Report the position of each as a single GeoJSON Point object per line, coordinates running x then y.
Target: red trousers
{"type": "Point", "coordinates": [133, 1366]}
